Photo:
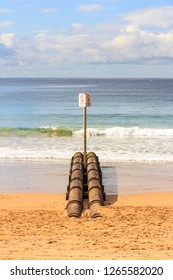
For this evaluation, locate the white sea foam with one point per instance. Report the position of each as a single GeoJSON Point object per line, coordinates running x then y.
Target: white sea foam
{"type": "Point", "coordinates": [128, 132]}
{"type": "Point", "coordinates": [108, 148]}
{"type": "Point", "coordinates": [111, 144]}
{"type": "Point", "coordinates": [104, 156]}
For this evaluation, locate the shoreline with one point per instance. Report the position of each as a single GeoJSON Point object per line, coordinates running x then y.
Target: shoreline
{"type": "Point", "coordinates": [50, 176]}
{"type": "Point", "coordinates": [35, 226]}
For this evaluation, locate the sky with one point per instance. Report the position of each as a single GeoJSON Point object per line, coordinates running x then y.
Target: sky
{"type": "Point", "coordinates": [102, 38]}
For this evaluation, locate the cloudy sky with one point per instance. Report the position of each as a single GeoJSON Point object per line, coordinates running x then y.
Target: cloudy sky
{"type": "Point", "coordinates": [104, 38]}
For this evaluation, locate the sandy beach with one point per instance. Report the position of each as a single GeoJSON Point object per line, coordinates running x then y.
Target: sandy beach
{"type": "Point", "coordinates": [36, 226]}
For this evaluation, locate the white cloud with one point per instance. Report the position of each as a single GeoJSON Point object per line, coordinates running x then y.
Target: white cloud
{"type": "Point", "coordinates": [78, 26]}
{"type": "Point", "coordinates": [5, 11]}
{"type": "Point", "coordinates": [19, 0]}
{"type": "Point", "coordinates": [156, 16]}
{"type": "Point", "coordinates": [43, 31]}
{"type": "Point", "coordinates": [93, 45]}
{"type": "Point", "coordinates": [136, 45]}
{"type": "Point", "coordinates": [6, 23]}
{"type": "Point", "coordinates": [7, 39]}
{"type": "Point", "coordinates": [7, 49]}
{"type": "Point", "coordinates": [48, 11]}
{"type": "Point", "coordinates": [108, 43]}
{"type": "Point", "coordinates": [89, 8]}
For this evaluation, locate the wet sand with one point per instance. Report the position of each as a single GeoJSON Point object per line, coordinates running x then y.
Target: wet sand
{"type": "Point", "coordinates": [36, 226]}
{"type": "Point", "coordinates": [51, 176]}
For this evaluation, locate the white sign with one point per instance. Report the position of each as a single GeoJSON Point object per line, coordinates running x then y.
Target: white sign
{"type": "Point", "coordinates": [84, 99]}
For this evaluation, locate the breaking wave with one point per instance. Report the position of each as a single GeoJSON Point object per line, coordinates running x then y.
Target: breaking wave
{"type": "Point", "coordinates": [129, 132]}
{"type": "Point", "coordinates": [59, 131]}
{"type": "Point", "coordinates": [46, 130]}
{"type": "Point", "coordinates": [110, 144]}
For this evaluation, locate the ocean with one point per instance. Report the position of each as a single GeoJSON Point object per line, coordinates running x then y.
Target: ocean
{"type": "Point", "coordinates": [130, 120]}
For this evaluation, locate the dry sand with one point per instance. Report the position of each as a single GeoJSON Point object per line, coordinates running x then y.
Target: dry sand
{"type": "Point", "coordinates": [36, 226]}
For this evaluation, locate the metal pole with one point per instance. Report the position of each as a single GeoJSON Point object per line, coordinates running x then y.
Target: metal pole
{"type": "Point", "coordinates": [85, 134]}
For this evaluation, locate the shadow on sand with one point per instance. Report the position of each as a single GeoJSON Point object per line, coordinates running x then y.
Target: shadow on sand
{"type": "Point", "coordinates": [110, 182]}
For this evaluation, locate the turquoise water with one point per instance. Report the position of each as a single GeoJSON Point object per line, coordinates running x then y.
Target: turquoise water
{"type": "Point", "coordinates": [129, 120]}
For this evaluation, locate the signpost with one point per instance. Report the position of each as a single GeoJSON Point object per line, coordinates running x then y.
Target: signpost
{"type": "Point", "coordinates": [82, 178]}
{"type": "Point", "coordinates": [85, 101]}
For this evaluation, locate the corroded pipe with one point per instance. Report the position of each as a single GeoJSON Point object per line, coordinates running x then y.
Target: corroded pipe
{"type": "Point", "coordinates": [94, 183]}
{"type": "Point", "coordinates": [93, 174]}
{"type": "Point", "coordinates": [85, 179]}
{"type": "Point", "coordinates": [75, 188]}
{"type": "Point", "coordinates": [78, 154]}
{"type": "Point", "coordinates": [74, 206]}
{"type": "Point", "coordinates": [77, 159]}
{"type": "Point", "coordinates": [92, 160]}
{"type": "Point", "coordinates": [77, 165]}
{"type": "Point", "coordinates": [95, 192]}
{"type": "Point", "coordinates": [92, 165]}
{"type": "Point", "coordinates": [77, 174]}
{"type": "Point", "coordinates": [75, 200]}
{"type": "Point", "coordinates": [95, 210]}
{"type": "Point", "coordinates": [95, 195]}
{"type": "Point", "coordinates": [92, 154]}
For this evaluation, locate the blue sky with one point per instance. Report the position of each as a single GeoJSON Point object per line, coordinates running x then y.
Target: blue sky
{"type": "Point", "coordinates": [104, 38]}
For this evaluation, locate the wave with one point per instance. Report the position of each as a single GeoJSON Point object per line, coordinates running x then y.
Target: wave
{"type": "Point", "coordinates": [128, 132]}
{"type": "Point", "coordinates": [110, 144]}
{"type": "Point", "coordinates": [46, 130]}
{"type": "Point", "coordinates": [63, 131]}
